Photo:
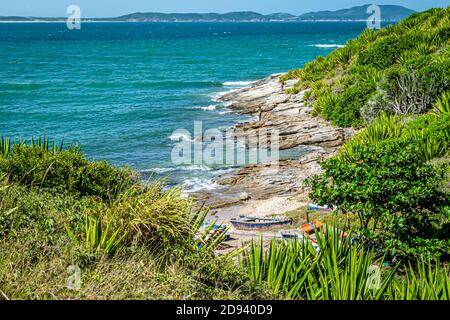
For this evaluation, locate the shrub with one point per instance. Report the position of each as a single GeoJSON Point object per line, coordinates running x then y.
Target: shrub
{"type": "Point", "coordinates": [410, 94]}
{"type": "Point", "coordinates": [385, 51]}
{"type": "Point", "coordinates": [153, 217]}
{"type": "Point", "coordinates": [347, 112]}
{"type": "Point", "coordinates": [64, 171]}
{"type": "Point", "coordinates": [397, 196]}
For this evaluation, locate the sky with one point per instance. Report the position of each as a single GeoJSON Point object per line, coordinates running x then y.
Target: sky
{"type": "Point", "coordinates": [112, 8]}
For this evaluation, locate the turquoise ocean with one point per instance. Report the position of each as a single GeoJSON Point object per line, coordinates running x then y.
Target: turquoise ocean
{"type": "Point", "coordinates": [119, 90]}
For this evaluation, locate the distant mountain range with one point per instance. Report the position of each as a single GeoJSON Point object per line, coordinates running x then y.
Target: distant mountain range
{"type": "Point", "coordinates": [389, 13]}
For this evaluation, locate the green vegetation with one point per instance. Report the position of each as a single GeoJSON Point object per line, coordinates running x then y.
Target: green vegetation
{"type": "Point", "coordinates": [394, 176]}
{"type": "Point", "coordinates": [401, 69]}
{"type": "Point", "coordinates": [130, 239]}
{"type": "Point", "coordinates": [143, 243]}
{"type": "Point", "coordinates": [389, 184]}
{"type": "Point", "coordinates": [341, 270]}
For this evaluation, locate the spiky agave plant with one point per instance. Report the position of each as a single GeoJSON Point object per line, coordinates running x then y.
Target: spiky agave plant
{"type": "Point", "coordinates": [344, 270]}
{"type": "Point", "coordinates": [429, 280]}
{"type": "Point", "coordinates": [295, 270]}
{"type": "Point", "coordinates": [98, 238]}
{"type": "Point", "coordinates": [45, 144]}
{"type": "Point", "coordinates": [423, 49]}
{"type": "Point", "coordinates": [383, 128]}
{"type": "Point", "coordinates": [7, 145]}
{"type": "Point", "coordinates": [430, 148]}
{"type": "Point", "coordinates": [442, 104]}
{"type": "Point", "coordinates": [207, 236]}
{"type": "Point", "coordinates": [283, 266]}
{"type": "Point", "coordinates": [371, 75]}
{"type": "Point", "coordinates": [5, 148]}
{"type": "Point", "coordinates": [343, 55]}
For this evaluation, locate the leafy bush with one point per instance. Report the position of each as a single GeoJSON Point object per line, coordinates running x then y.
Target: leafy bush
{"type": "Point", "coordinates": [384, 176]}
{"type": "Point", "coordinates": [63, 171]}
{"type": "Point", "coordinates": [385, 51]}
{"type": "Point", "coordinates": [346, 112]}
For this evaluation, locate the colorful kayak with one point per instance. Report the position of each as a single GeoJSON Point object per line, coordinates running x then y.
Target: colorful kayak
{"type": "Point", "coordinates": [309, 230]}
{"type": "Point", "coordinates": [208, 233]}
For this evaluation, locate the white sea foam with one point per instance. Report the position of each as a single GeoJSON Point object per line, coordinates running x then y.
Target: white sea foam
{"type": "Point", "coordinates": [195, 168]}
{"type": "Point", "coordinates": [328, 45]}
{"type": "Point", "coordinates": [197, 184]}
{"type": "Point", "coordinates": [158, 170]}
{"type": "Point", "coordinates": [208, 108]}
{"type": "Point", "coordinates": [216, 96]}
{"type": "Point", "coordinates": [238, 83]}
{"type": "Point", "coordinates": [180, 137]}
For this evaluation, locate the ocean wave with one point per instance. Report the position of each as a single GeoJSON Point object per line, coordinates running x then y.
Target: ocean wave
{"type": "Point", "coordinates": [238, 83]}
{"type": "Point", "coordinates": [198, 184]}
{"type": "Point", "coordinates": [195, 167]}
{"type": "Point", "coordinates": [208, 108]}
{"type": "Point", "coordinates": [180, 137]}
{"type": "Point", "coordinates": [217, 95]}
{"type": "Point", "coordinates": [162, 170]}
{"type": "Point", "coordinates": [327, 45]}
{"type": "Point", "coordinates": [203, 168]}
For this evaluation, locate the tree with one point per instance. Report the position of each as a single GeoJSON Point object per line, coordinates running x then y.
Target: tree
{"type": "Point", "coordinates": [397, 197]}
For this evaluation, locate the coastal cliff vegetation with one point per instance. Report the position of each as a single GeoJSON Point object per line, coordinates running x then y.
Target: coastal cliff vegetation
{"type": "Point", "coordinates": [400, 69]}
{"type": "Point", "coordinates": [60, 212]}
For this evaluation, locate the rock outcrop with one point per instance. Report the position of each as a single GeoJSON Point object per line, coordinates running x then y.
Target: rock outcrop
{"type": "Point", "coordinates": [291, 117]}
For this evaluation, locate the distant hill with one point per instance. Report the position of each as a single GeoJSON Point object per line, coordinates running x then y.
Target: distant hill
{"type": "Point", "coordinates": [177, 17]}
{"type": "Point", "coordinates": [389, 13]}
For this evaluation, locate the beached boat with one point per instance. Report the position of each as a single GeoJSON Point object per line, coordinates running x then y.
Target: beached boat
{"type": "Point", "coordinates": [309, 230]}
{"type": "Point", "coordinates": [317, 208]}
{"type": "Point", "coordinates": [209, 233]}
{"type": "Point", "coordinates": [290, 235]}
{"type": "Point", "coordinates": [259, 223]}
{"type": "Point", "coordinates": [297, 236]}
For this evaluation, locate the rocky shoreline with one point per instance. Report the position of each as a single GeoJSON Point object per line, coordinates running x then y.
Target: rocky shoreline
{"type": "Point", "coordinates": [245, 188]}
